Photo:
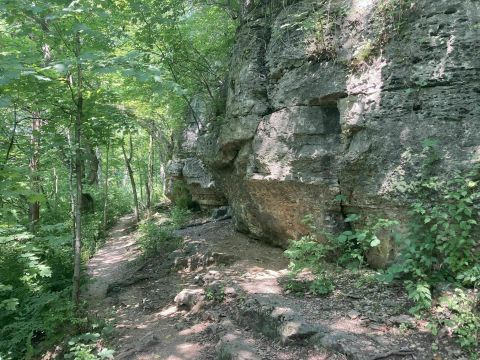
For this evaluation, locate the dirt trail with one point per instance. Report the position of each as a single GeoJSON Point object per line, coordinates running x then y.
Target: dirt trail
{"type": "Point", "coordinates": [110, 264]}
{"type": "Point", "coordinates": [234, 307]}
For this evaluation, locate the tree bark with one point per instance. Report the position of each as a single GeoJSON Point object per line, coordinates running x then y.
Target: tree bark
{"type": "Point", "coordinates": [78, 177]}
{"type": "Point", "coordinates": [105, 188]}
{"type": "Point", "coordinates": [70, 185]}
{"type": "Point", "coordinates": [12, 137]}
{"type": "Point", "coordinates": [128, 161]}
{"type": "Point", "coordinates": [34, 208]}
{"type": "Point", "coordinates": [55, 188]}
{"type": "Point", "coordinates": [149, 182]}
{"type": "Point", "coordinates": [140, 175]}
{"type": "Point", "coordinates": [93, 165]}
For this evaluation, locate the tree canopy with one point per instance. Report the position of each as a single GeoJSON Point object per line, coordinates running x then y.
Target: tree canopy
{"type": "Point", "coordinates": [91, 92]}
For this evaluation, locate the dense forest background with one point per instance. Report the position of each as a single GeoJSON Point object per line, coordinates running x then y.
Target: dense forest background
{"type": "Point", "coordinates": [344, 132]}
{"type": "Point", "coordinates": [91, 93]}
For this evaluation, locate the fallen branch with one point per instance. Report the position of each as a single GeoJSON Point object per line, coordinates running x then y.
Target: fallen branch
{"type": "Point", "coordinates": [401, 352]}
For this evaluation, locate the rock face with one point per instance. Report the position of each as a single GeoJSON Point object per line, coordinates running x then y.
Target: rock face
{"type": "Point", "coordinates": [188, 180]}
{"type": "Point", "coordinates": [331, 98]}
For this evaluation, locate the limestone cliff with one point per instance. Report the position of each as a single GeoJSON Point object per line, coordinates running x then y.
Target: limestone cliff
{"type": "Point", "coordinates": [329, 98]}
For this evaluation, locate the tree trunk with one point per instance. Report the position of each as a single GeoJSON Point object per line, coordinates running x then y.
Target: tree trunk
{"type": "Point", "coordinates": [140, 175]}
{"type": "Point", "coordinates": [93, 165]}
{"type": "Point", "coordinates": [78, 177]}
{"type": "Point", "coordinates": [70, 185]}
{"type": "Point", "coordinates": [10, 147]}
{"type": "Point", "coordinates": [148, 196]}
{"type": "Point", "coordinates": [55, 188]}
{"type": "Point", "coordinates": [128, 161]}
{"type": "Point", "coordinates": [149, 183]}
{"type": "Point", "coordinates": [12, 137]}
{"type": "Point", "coordinates": [34, 208]}
{"type": "Point", "coordinates": [105, 188]}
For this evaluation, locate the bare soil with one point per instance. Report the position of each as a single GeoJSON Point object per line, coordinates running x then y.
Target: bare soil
{"type": "Point", "coordinates": [137, 297]}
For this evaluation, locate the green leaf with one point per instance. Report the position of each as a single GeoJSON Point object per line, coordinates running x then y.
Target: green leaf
{"type": "Point", "coordinates": [361, 236]}
{"type": "Point", "coordinates": [352, 218]}
{"type": "Point", "coordinates": [42, 78]}
{"type": "Point", "coordinates": [9, 304]}
{"type": "Point", "coordinates": [5, 288]}
{"type": "Point", "coordinates": [44, 270]}
{"type": "Point", "coordinates": [36, 197]}
{"type": "Point", "coordinates": [106, 354]}
{"type": "Point", "coordinates": [375, 242]}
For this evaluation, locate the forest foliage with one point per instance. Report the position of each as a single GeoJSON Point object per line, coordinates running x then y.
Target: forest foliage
{"type": "Point", "coordinates": [91, 92]}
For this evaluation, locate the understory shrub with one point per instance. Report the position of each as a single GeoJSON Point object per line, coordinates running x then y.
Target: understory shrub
{"type": "Point", "coordinates": [36, 273]}
{"type": "Point", "coordinates": [348, 248]}
{"type": "Point", "coordinates": [35, 289]}
{"type": "Point", "coordinates": [182, 196]}
{"type": "Point", "coordinates": [87, 346]}
{"type": "Point", "coordinates": [179, 216]}
{"type": "Point", "coordinates": [457, 312]}
{"type": "Point", "coordinates": [442, 242]}
{"type": "Point", "coordinates": [441, 245]}
{"type": "Point", "coordinates": [157, 240]}
{"type": "Point", "coordinates": [351, 246]}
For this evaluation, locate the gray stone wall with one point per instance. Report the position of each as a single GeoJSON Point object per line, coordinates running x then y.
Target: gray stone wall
{"type": "Point", "coordinates": [329, 98]}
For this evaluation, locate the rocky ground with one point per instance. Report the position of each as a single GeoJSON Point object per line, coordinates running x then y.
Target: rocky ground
{"type": "Point", "coordinates": [220, 297]}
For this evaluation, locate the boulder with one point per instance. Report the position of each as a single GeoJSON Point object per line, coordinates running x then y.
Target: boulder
{"type": "Point", "coordinates": [188, 298]}
{"type": "Point", "coordinates": [233, 347]}
{"type": "Point", "coordinates": [275, 317]}
{"type": "Point", "coordinates": [354, 346]}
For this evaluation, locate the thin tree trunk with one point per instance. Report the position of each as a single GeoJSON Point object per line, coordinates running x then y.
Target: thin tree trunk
{"type": "Point", "coordinates": [55, 188]}
{"type": "Point", "coordinates": [12, 137]}
{"type": "Point", "coordinates": [140, 175]}
{"type": "Point", "coordinates": [93, 165]}
{"type": "Point", "coordinates": [10, 146]}
{"type": "Point", "coordinates": [78, 178]}
{"type": "Point", "coordinates": [34, 208]}
{"type": "Point", "coordinates": [147, 196]}
{"type": "Point", "coordinates": [70, 187]}
{"type": "Point", "coordinates": [105, 188]}
{"type": "Point", "coordinates": [149, 182]}
{"type": "Point", "coordinates": [128, 160]}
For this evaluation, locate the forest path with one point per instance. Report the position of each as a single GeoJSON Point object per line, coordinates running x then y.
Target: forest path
{"type": "Point", "coordinates": [230, 293]}
{"type": "Point", "coordinates": [111, 262]}
{"type": "Point", "coordinates": [116, 295]}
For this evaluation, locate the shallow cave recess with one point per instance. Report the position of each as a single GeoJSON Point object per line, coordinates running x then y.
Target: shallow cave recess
{"type": "Point", "coordinates": [329, 105]}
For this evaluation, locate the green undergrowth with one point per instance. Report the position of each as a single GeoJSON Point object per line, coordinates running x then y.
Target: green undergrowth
{"type": "Point", "coordinates": [90, 345]}
{"type": "Point", "coordinates": [322, 284]}
{"type": "Point", "coordinates": [36, 271]}
{"type": "Point", "coordinates": [349, 249]}
{"type": "Point", "coordinates": [215, 294]}
{"type": "Point", "coordinates": [439, 245]}
{"type": "Point", "coordinates": [156, 240]}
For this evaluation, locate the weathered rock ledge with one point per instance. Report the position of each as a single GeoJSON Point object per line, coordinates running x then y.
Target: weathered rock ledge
{"type": "Point", "coordinates": [335, 98]}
